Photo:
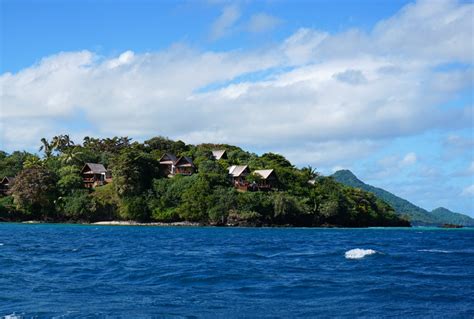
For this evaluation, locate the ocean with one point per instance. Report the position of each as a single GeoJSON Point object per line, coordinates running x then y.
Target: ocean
{"type": "Point", "coordinates": [70, 271]}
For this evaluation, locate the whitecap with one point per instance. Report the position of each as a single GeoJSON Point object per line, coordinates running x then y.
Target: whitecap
{"type": "Point", "coordinates": [358, 253]}
{"type": "Point", "coordinates": [1, 244]}
{"type": "Point", "coordinates": [435, 251]}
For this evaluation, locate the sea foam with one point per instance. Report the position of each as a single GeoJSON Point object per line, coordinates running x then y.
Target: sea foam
{"type": "Point", "coordinates": [358, 253]}
{"type": "Point", "coordinates": [435, 251]}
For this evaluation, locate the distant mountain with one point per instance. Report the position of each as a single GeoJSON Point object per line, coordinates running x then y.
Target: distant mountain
{"type": "Point", "coordinates": [445, 216]}
{"type": "Point", "coordinates": [417, 215]}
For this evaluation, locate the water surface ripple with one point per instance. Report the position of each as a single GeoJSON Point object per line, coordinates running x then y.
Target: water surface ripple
{"type": "Point", "coordinates": [71, 271]}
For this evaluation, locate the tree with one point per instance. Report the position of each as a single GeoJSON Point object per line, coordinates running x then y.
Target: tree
{"type": "Point", "coordinates": [78, 205]}
{"type": "Point", "coordinates": [134, 208]}
{"type": "Point", "coordinates": [196, 201]}
{"type": "Point", "coordinates": [33, 161]}
{"type": "Point", "coordinates": [223, 201]}
{"type": "Point", "coordinates": [276, 160]}
{"type": "Point", "coordinates": [309, 173]}
{"type": "Point", "coordinates": [47, 147]}
{"type": "Point", "coordinates": [71, 155]}
{"type": "Point", "coordinates": [11, 165]}
{"type": "Point", "coordinates": [69, 179]}
{"type": "Point", "coordinates": [133, 172]}
{"type": "Point", "coordinates": [34, 192]}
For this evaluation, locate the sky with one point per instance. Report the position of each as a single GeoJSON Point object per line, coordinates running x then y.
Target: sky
{"type": "Point", "coordinates": [383, 88]}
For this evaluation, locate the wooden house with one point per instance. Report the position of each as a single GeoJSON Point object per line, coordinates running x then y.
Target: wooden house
{"type": "Point", "coordinates": [167, 164]}
{"type": "Point", "coordinates": [170, 165]}
{"type": "Point", "coordinates": [219, 154]}
{"type": "Point", "coordinates": [6, 184]}
{"type": "Point", "coordinates": [94, 175]}
{"type": "Point", "coordinates": [237, 174]}
{"type": "Point", "coordinates": [267, 179]}
{"type": "Point", "coordinates": [184, 166]}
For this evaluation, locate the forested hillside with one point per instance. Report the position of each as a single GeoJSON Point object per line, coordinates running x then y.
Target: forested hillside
{"type": "Point", "coordinates": [52, 187]}
{"type": "Point", "coordinates": [415, 214]}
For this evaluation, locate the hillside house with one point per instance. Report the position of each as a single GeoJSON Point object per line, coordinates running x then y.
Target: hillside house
{"type": "Point", "coordinates": [219, 154]}
{"type": "Point", "coordinates": [167, 164]}
{"type": "Point", "coordinates": [267, 179]}
{"type": "Point", "coordinates": [6, 184]}
{"type": "Point", "coordinates": [238, 174]}
{"type": "Point", "coordinates": [184, 166]}
{"type": "Point", "coordinates": [170, 165]}
{"type": "Point", "coordinates": [94, 175]}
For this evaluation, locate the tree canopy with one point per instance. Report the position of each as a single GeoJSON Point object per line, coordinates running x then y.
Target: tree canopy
{"type": "Point", "coordinates": [51, 187]}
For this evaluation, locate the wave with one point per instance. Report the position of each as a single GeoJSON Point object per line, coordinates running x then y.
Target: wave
{"type": "Point", "coordinates": [358, 253]}
{"type": "Point", "coordinates": [1, 244]}
{"type": "Point", "coordinates": [436, 251]}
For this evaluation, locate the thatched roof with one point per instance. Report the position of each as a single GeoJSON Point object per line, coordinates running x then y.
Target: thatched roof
{"type": "Point", "coordinates": [237, 170]}
{"type": "Point", "coordinates": [184, 161]}
{"type": "Point", "coordinates": [7, 180]}
{"type": "Point", "coordinates": [218, 154]}
{"type": "Point", "coordinates": [168, 158]}
{"type": "Point", "coordinates": [264, 173]}
{"type": "Point", "coordinates": [93, 168]}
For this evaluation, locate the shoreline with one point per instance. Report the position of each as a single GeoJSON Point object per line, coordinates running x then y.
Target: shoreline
{"type": "Point", "coordinates": [188, 224]}
{"type": "Point", "coordinates": [134, 223]}
{"type": "Point", "coordinates": [196, 224]}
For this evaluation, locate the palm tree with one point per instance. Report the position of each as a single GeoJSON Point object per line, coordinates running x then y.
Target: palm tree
{"type": "Point", "coordinates": [310, 172]}
{"type": "Point", "coordinates": [47, 147]}
{"type": "Point", "coordinates": [62, 142]}
{"type": "Point", "coordinates": [71, 155]}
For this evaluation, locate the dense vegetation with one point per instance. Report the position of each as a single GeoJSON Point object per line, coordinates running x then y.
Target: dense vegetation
{"type": "Point", "coordinates": [415, 214]}
{"type": "Point", "coordinates": [445, 216]}
{"type": "Point", "coordinates": [50, 188]}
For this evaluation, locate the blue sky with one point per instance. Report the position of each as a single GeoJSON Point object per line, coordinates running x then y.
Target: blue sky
{"type": "Point", "coordinates": [383, 88]}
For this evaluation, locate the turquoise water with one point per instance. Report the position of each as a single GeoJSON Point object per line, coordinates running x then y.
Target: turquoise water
{"type": "Point", "coordinates": [70, 271]}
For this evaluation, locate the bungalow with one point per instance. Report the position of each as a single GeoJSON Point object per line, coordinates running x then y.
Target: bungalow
{"type": "Point", "coordinates": [267, 179]}
{"type": "Point", "coordinates": [6, 184]}
{"type": "Point", "coordinates": [184, 166]}
{"type": "Point", "coordinates": [170, 165]}
{"type": "Point", "coordinates": [94, 175]}
{"type": "Point", "coordinates": [219, 154]}
{"type": "Point", "coordinates": [167, 164]}
{"type": "Point", "coordinates": [237, 174]}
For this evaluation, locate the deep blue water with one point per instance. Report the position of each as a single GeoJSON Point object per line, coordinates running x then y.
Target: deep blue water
{"type": "Point", "coordinates": [73, 271]}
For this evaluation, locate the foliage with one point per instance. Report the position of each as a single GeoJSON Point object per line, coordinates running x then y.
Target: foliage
{"type": "Point", "coordinates": [133, 172]}
{"type": "Point", "coordinates": [403, 207]}
{"type": "Point", "coordinates": [69, 179]}
{"type": "Point", "coordinates": [105, 202]}
{"type": "Point", "coordinates": [77, 206]}
{"type": "Point", "coordinates": [51, 187]}
{"type": "Point", "coordinates": [134, 208]}
{"type": "Point", "coordinates": [34, 192]}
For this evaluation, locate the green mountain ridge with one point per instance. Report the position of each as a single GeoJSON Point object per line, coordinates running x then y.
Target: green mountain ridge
{"type": "Point", "coordinates": [417, 215]}
{"type": "Point", "coordinates": [444, 214]}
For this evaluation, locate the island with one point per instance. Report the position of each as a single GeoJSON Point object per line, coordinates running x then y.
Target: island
{"type": "Point", "coordinates": [161, 181]}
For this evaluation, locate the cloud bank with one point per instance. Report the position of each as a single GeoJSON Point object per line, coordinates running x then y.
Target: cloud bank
{"type": "Point", "coordinates": [312, 91]}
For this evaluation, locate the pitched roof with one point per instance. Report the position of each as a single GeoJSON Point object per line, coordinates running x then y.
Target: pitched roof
{"type": "Point", "coordinates": [94, 168]}
{"type": "Point", "coordinates": [184, 161]}
{"type": "Point", "coordinates": [264, 173]}
{"type": "Point", "coordinates": [237, 170]}
{"type": "Point", "coordinates": [168, 157]}
{"type": "Point", "coordinates": [218, 154]}
{"type": "Point", "coordinates": [9, 179]}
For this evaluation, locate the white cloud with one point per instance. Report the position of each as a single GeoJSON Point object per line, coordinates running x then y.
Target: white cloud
{"type": "Point", "coordinates": [470, 170]}
{"type": "Point", "coordinates": [262, 22]}
{"type": "Point", "coordinates": [409, 159]}
{"type": "Point", "coordinates": [308, 109]}
{"type": "Point", "coordinates": [224, 23]}
{"type": "Point", "coordinates": [468, 191]}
